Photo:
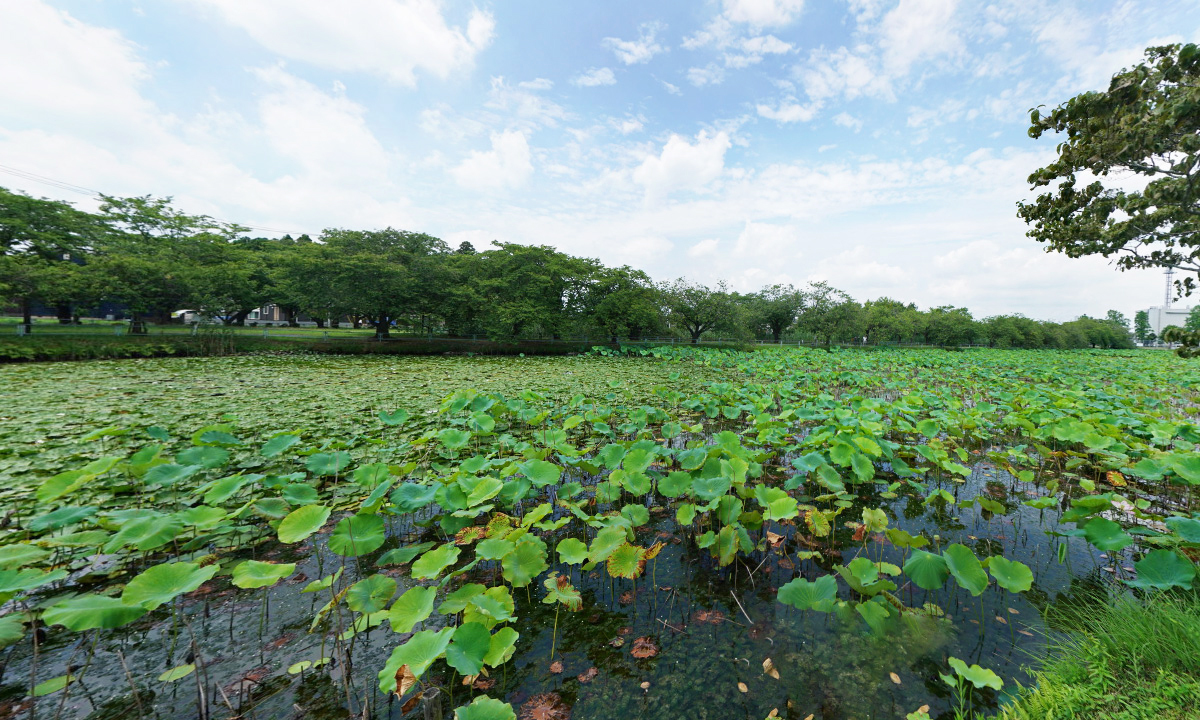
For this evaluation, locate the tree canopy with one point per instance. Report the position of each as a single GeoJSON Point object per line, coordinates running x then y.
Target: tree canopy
{"type": "Point", "coordinates": [1146, 124]}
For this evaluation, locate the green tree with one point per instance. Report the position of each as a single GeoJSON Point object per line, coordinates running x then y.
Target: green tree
{"type": "Point", "coordinates": [697, 308]}
{"type": "Point", "coordinates": [518, 291]}
{"type": "Point", "coordinates": [42, 244]}
{"type": "Point", "coordinates": [625, 303]}
{"type": "Point", "coordinates": [1141, 327]}
{"type": "Point", "coordinates": [1146, 124]}
{"type": "Point", "coordinates": [776, 308]}
{"type": "Point", "coordinates": [1193, 320]}
{"type": "Point", "coordinates": [886, 320]}
{"type": "Point", "coordinates": [950, 326]}
{"type": "Point", "coordinates": [156, 260]}
{"type": "Point", "coordinates": [384, 274]}
{"type": "Point", "coordinates": [830, 314]}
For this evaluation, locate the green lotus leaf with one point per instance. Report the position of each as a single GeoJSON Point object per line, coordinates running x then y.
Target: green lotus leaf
{"type": "Point", "coordinates": [396, 417]}
{"type": "Point", "coordinates": [708, 489]}
{"type": "Point", "coordinates": [525, 562]}
{"type": "Point", "coordinates": [607, 540]}
{"type": "Point", "coordinates": [494, 548]}
{"type": "Point", "coordinates": [978, 676]}
{"type": "Point", "coordinates": [1011, 575]}
{"type": "Point", "coordinates": [421, 650]}
{"type": "Point", "coordinates": [485, 708]}
{"type": "Point", "coordinates": [357, 535]}
{"type": "Point", "coordinates": [371, 594]}
{"type": "Point", "coordinates": [12, 629]}
{"type": "Point", "coordinates": [540, 472]}
{"type": "Point", "coordinates": [926, 570]}
{"type": "Point", "coordinates": [503, 643]}
{"type": "Point", "coordinates": [256, 574]}
{"type": "Point", "coordinates": [458, 600]}
{"type": "Point", "coordinates": [410, 497]}
{"type": "Point", "coordinates": [147, 532]}
{"type": "Point", "coordinates": [1163, 569]}
{"type": "Point", "coordinates": [167, 475]}
{"type": "Point", "coordinates": [572, 551]}
{"type": "Point", "coordinates": [61, 518]}
{"type": "Point", "coordinates": [432, 563]}
{"type": "Point", "coordinates": [323, 464]}
{"type": "Point", "coordinates": [414, 606]}
{"type": "Point", "coordinates": [453, 438]}
{"type": "Point", "coordinates": [468, 648]}
{"type": "Point", "coordinates": [177, 673]}
{"type": "Point", "coordinates": [1186, 528]}
{"type": "Point", "coordinates": [163, 583]}
{"type": "Point", "coordinates": [202, 457]}
{"type": "Point", "coordinates": [89, 612]}
{"type": "Point", "coordinates": [302, 522]}
{"type": "Point", "coordinates": [626, 561]}
{"type": "Point", "coordinates": [1106, 534]}
{"type": "Point", "coordinates": [805, 595]}
{"type": "Point", "coordinates": [278, 444]}
{"type": "Point", "coordinates": [401, 555]}
{"type": "Point", "coordinates": [966, 568]}
{"type": "Point", "coordinates": [20, 554]}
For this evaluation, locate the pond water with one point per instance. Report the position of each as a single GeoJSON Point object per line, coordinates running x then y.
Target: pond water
{"type": "Point", "coordinates": [711, 628]}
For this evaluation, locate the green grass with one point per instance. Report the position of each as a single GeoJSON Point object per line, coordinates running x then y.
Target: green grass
{"type": "Point", "coordinates": [1130, 661]}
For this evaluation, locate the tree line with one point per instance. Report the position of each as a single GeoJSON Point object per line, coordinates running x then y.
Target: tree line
{"type": "Point", "coordinates": [150, 259]}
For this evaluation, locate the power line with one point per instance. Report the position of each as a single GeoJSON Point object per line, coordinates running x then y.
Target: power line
{"type": "Point", "coordinates": [71, 187]}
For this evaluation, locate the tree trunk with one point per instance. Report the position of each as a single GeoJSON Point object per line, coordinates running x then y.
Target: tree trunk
{"type": "Point", "coordinates": [320, 322]}
{"type": "Point", "coordinates": [381, 326]}
{"type": "Point", "coordinates": [291, 317]}
{"type": "Point", "coordinates": [778, 336]}
{"type": "Point", "coordinates": [64, 313]}
{"type": "Point", "coordinates": [696, 336]}
{"type": "Point", "coordinates": [137, 326]}
{"type": "Point", "coordinates": [27, 315]}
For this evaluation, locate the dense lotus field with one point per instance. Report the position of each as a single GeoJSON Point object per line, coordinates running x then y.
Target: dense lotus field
{"type": "Point", "coordinates": [682, 533]}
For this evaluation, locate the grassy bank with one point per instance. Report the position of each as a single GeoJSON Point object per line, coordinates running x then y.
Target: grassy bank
{"type": "Point", "coordinates": [1130, 661]}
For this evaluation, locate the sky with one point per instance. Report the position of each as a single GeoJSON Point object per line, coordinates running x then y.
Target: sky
{"type": "Point", "coordinates": [879, 145]}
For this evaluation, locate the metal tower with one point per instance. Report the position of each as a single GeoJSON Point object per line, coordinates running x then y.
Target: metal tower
{"type": "Point", "coordinates": [1170, 273]}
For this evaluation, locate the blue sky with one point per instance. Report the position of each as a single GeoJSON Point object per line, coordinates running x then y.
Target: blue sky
{"type": "Point", "coordinates": [877, 144]}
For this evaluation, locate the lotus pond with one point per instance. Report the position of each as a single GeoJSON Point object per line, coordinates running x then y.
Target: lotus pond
{"type": "Point", "coordinates": [680, 533]}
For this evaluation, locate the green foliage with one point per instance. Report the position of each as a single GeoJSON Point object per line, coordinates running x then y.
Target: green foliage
{"type": "Point", "coordinates": [1144, 123]}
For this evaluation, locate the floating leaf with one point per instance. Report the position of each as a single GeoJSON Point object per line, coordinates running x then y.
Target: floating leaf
{"type": "Point", "coordinates": [255, 574]}
{"type": "Point", "coordinates": [323, 464]}
{"type": "Point", "coordinates": [177, 673]}
{"type": "Point", "coordinates": [88, 612]}
{"type": "Point", "coordinates": [163, 583]}
{"type": "Point", "coordinates": [805, 595]}
{"type": "Point", "coordinates": [302, 522]}
{"type": "Point", "coordinates": [572, 551]}
{"type": "Point", "coordinates": [1011, 575]}
{"type": "Point", "coordinates": [467, 650]}
{"type": "Point", "coordinates": [278, 444]}
{"type": "Point", "coordinates": [540, 472]}
{"type": "Point", "coordinates": [418, 654]}
{"type": "Point", "coordinates": [978, 676]}
{"type": "Point", "coordinates": [1106, 534]}
{"type": "Point", "coordinates": [525, 562]}
{"type": "Point", "coordinates": [357, 535]}
{"type": "Point", "coordinates": [1163, 569]}
{"type": "Point", "coordinates": [485, 708]}
{"type": "Point", "coordinates": [371, 594]}
{"type": "Point", "coordinates": [414, 606]}
{"type": "Point", "coordinates": [432, 563]}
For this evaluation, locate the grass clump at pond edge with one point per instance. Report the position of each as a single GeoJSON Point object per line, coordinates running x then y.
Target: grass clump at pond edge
{"type": "Point", "coordinates": [1130, 661]}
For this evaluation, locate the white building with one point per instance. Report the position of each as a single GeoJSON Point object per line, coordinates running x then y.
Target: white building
{"type": "Point", "coordinates": [1161, 317]}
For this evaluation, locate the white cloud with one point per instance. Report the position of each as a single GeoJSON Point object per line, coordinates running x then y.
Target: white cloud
{"type": "Point", "coordinates": [711, 74]}
{"type": "Point", "coordinates": [506, 165]}
{"type": "Point", "coordinates": [738, 49]}
{"type": "Point", "coordinates": [632, 52]}
{"type": "Point", "coordinates": [673, 89]}
{"type": "Point", "coordinates": [789, 111]}
{"type": "Point", "coordinates": [523, 106]}
{"type": "Point", "coordinates": [390, 38]}
{"type": "Point", "coordinates": [778, 243]}
{"type": "Point", "coordinates": [627, 125]}
{"type": "Point", "coordinates": [919, 30]}
{"type": "Point", "coordinates": [321, 133]}
{"type": "Point", "coordinates": [595, 77]}
{"type": "Point", "coordinates": [845, 119]}
{"type": "Point", "coordinates": [845, 72]}
{"type": "Point", "coordinates": [763, 13]}
{"type": "Point", "coordinates": [682, 165]}
{"type": "Point", "coordinates": [704, 248]}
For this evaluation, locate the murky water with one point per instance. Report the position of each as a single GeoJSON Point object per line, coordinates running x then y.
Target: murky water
{"type": "Point", "coordinates": [712, 627]}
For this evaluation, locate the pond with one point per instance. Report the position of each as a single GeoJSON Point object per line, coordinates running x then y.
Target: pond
{"type": "Point", "coordinates": [651, 547]}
